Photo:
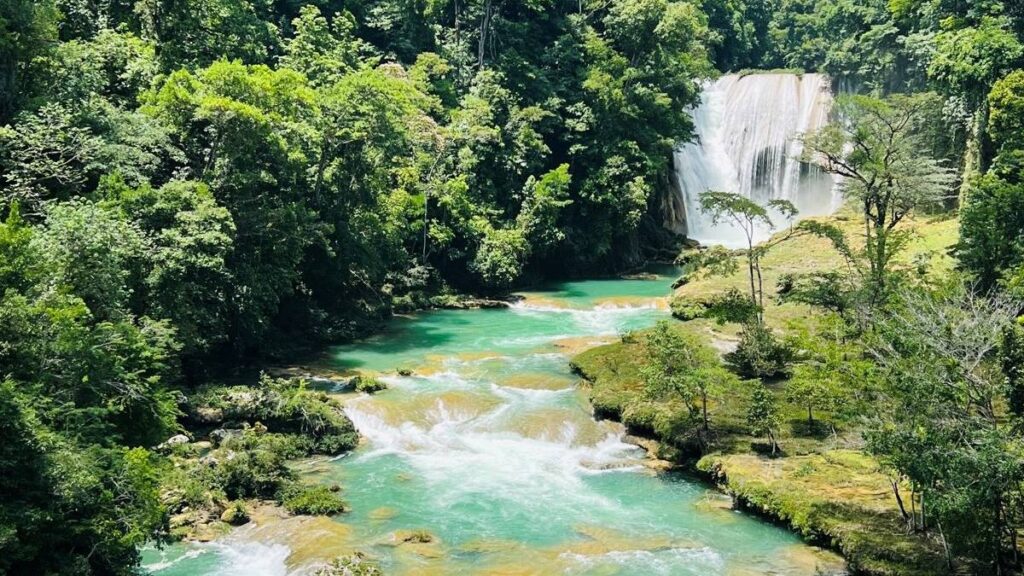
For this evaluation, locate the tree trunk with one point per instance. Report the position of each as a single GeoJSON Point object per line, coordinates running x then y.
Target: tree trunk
{"type": "Point", "coordinates": [753, 290]}
{"type": "Point", "coordinates": [760, 289]}
{"type": "Point", "coordinates": [997, 536]}
{"type": "Point", "coordinates": [704, 407]}
{"type": "Point", "coordinates": [485, 25]}
{"type": "Point", "coordinates": [945, 547]}
{"type": "Point", "coordinates": [924, 516]}
{"type": "Point", "coordinates": [426, 223]}
{"type": "Point", "coordinates": [899, 499]}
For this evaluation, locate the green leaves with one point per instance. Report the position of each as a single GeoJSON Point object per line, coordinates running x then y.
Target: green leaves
{"type": "Point", "coordinates": [762, 413]}
{"type": "Point", "coordinates": [880, 154]}
{"type": "Point", "coordinates": [1006, 113]}
{"type": "Point", "coordinates": [681, 368]}
{"type": "Point", "coordinates": [91, 252]}
{"type": "Point", "coordinates": [968, 60]}
{"type": "Point", "coordinates": [324, 51]}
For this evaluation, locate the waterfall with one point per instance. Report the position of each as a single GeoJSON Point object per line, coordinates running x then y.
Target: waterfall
{"type": "Point", "coordinates": [747, 142]}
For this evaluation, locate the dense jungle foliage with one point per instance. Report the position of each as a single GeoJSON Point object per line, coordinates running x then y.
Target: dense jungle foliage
{"type": "Point", "coordinates": [185, 185]}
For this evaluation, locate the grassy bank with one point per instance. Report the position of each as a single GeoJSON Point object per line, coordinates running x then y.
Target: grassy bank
{"type": "Point", "coordinates": [822, 485]}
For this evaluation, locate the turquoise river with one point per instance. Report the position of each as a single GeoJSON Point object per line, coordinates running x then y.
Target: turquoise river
{"type": "Point", "coordinates": [490, 447]}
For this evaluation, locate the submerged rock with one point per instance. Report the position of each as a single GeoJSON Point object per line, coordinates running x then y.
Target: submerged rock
{"type": "Point", "coordinates": [382, 513]}
{"type": "Point", "coordinates": [318, 378]}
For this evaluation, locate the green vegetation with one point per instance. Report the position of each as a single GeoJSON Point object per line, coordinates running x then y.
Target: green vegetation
{"type": "Point", "coordinates": [880, 153]}
{"type": "Point", "coordinates": [891, 435]}
{"type": "Point", "coordinates": [187, 187]}
{"type": "Point", "coordinates": [356, 564]}
{"type": "Point", "coordinates": [254, 432]}
{"type": "Point", "coordinates": [316, 500]}
{"type": "Point", "coordinates": [835, 498]}
{"type": "Point", "coordinates": [370, 385]}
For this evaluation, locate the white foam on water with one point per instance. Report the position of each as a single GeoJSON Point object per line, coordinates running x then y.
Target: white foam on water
{"type": "Point", "coordinates": [448, 379]}
{"type": "Point", "coordinates": [530, 396]}
{"type": "Point", "coordinates": [167, 561]}
{"type": "Point", "coordinates": [250, 558]}
{"type": "Point", "coordinates": [667, 561]}
{"type": "Point", "coordinates": [601, 320]}
{"type": "Point", "coordinates": [464, 457]}
{"type": "Point", "coordinates": [234, 557]}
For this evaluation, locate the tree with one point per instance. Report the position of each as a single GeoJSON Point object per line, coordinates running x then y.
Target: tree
{"type": "Point", "coordinates": [759, 353]}
{"type": "Point", "coordinates": [992, 213]}
{"type": "Point", "coordinates": [830, 371]}
{"type": "Point", "coordinates": [28, 30]}
{"type": "Point", "coordinates": [938, 423]}
{"type": "Point", "coordinates": [70, 508]}
{"type": "Point", "coordinates": [762, 414]}
{"type": "Point", "coordinates": [808, 389]}
{"type": "Point", "coordinates": [187, 278]}
{"type": "Point", "coordinates": [1011, 359]}
{"type": "Point", "coordinates": [877, 150]}
{"type": "Point", "coordinates": [198, 32]}
{"type": "Point", "coordinates": [17, 263]}
{"type": "Point", "coordinates": [967, 60]}
{"type": "Point", "coordinates": [324, 50]}
{"type": "Point", "coordinates": [681, 367]}
{"type": "Point", "coordinates": [1006, 112]}
{"type": "Point", "coordinates": [47, 155]}
{"type": "Point", "coordinates": [245, 133]}
{"type": "Point", "coordinates": [752, 219]}
{"type": "Point", "coordinates": [93, 253]}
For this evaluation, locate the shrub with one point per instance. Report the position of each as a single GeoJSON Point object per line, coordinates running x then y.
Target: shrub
{"type": "Point", "coordinates": [731, 306]}
{"type": "Point", "coordinates": [759, 353]}
{"type": "Point", "coordinates": [252, 474]}
{"type": "Point", "coordinates": [370, 385]}
{"type": "Point", "coordinates": [235, 514]}
{"type": "Point", "coordinates": [284, 406]}
{"type": "Point", "coordinates": [316, 500]}
{"type": "Point", "coordinates": [686, 308]}
{"type": "Point", "coordinates": [828, 290]}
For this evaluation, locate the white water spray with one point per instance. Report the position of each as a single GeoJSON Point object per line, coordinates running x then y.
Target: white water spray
{"type": "Point", "coordinates": [747, 142]}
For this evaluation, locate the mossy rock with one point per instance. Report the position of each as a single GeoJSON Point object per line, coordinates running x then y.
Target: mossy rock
{"type": "Point", "coordinates": [356, 564]}
{"type": "Point", "coordinates": [370, 385]}
{"type": "Point", "coordinates": [235, 514]}
{"type": "Point", "coordinates": [313, 500]}
{"type": "Point", "coordinates": [413, 537]}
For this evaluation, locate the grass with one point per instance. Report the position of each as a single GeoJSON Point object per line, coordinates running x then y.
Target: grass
{"type": "Point", "coordinates": [823, 485]}
{"type": "Point", "coordinates": [932, 238]}
{"type": "Point", "coordinates": [837, 498]}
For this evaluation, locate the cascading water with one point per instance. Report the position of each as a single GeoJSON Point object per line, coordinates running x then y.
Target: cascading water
{"type": "Point", "coordinates": [491, 448]}
{"type": "Point", "coordinates": [747, 142]}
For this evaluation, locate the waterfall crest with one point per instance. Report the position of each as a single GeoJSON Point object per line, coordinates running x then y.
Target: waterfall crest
{"type": "Point", "coordinates": [747, 142]}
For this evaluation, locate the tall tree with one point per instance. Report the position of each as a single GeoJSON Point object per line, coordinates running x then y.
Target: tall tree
{"type": "Point", "coordinates": [753, 220]}
{"type": "Point", "coordinates": [877, 150]}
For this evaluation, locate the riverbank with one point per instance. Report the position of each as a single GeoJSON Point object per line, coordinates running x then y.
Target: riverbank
{"type": "Point", "coordinates": [822, 486]}
{"type": "Point", "coordinates": [481, 432]}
